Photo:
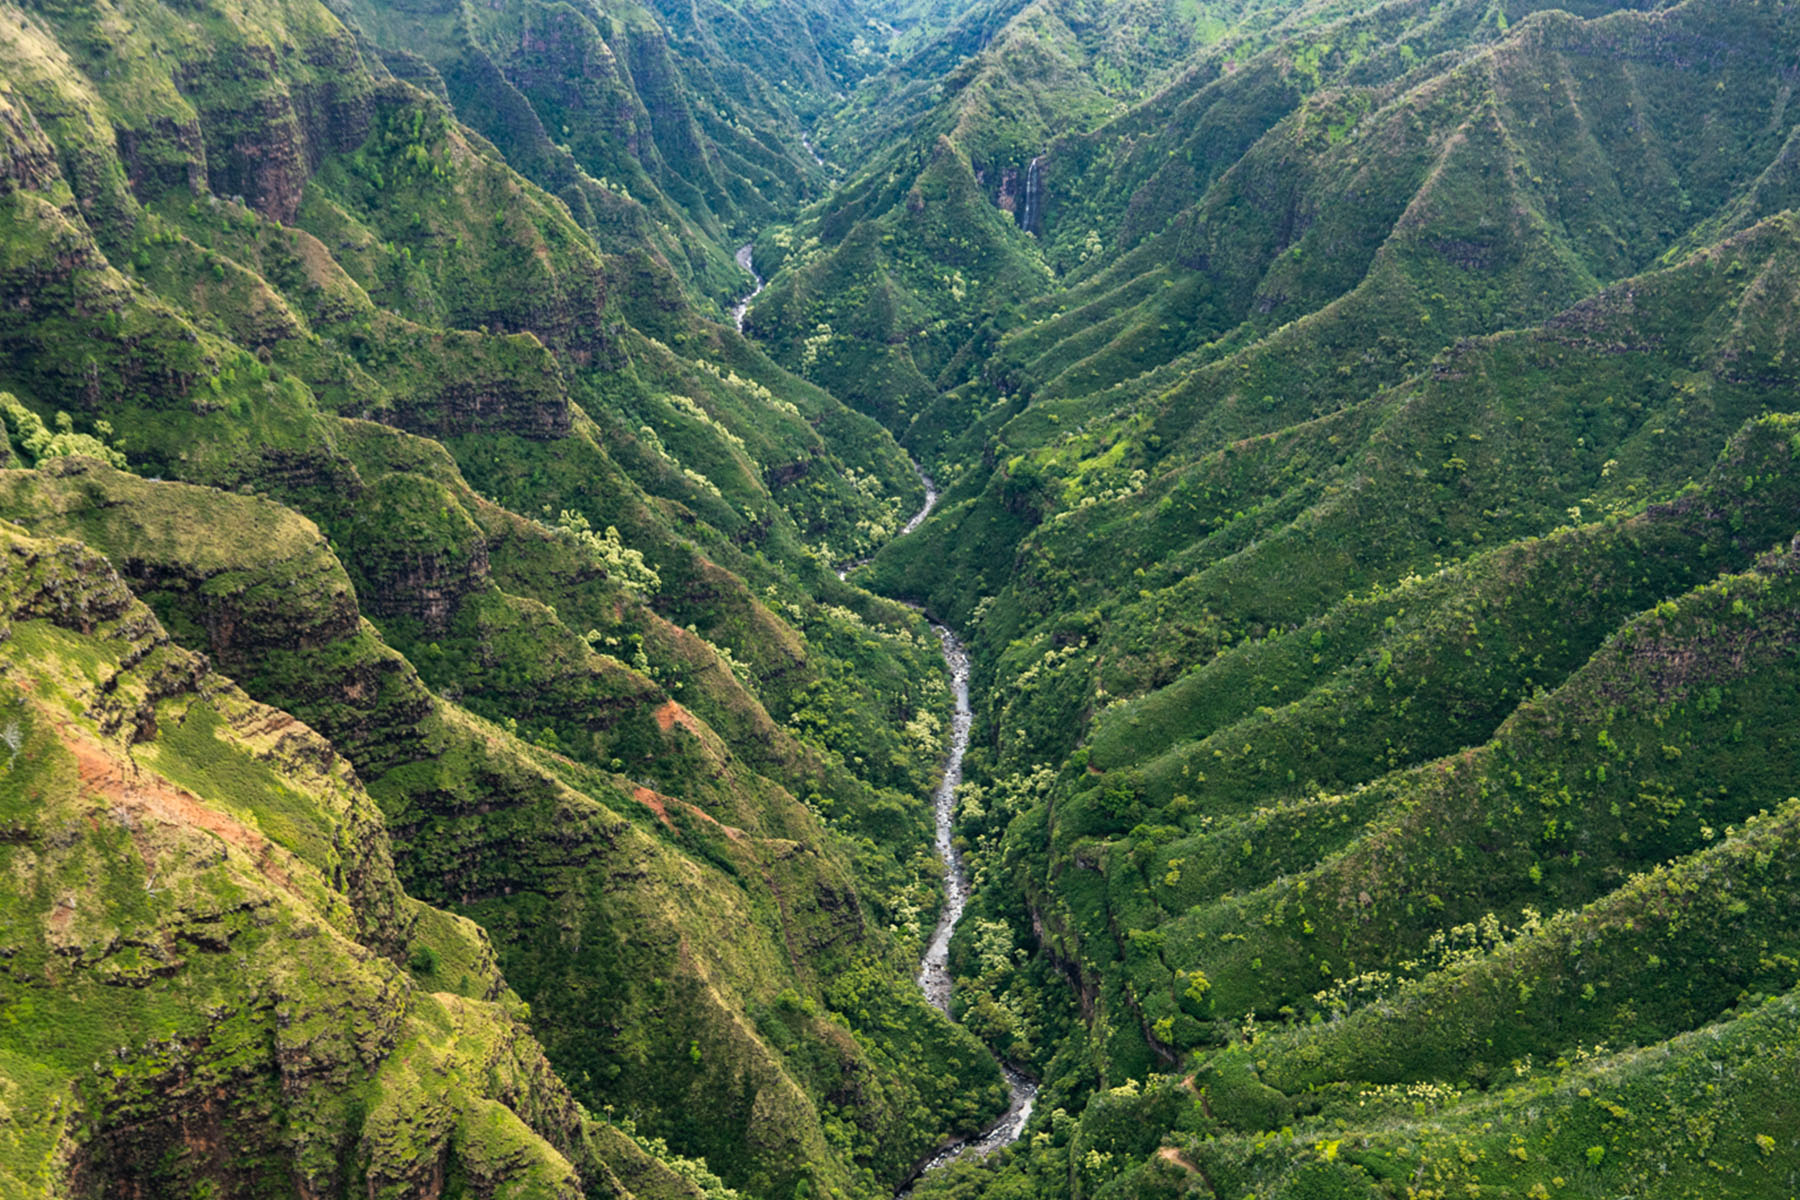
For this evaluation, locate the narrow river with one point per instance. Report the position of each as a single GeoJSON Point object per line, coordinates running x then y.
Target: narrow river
{"type": "Point", "coordinates": [934, 969]}
{"type": "Point", "coordinates": [746, 259]}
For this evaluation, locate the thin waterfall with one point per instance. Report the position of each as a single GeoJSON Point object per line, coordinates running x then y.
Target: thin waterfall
{"type": "Point", "coordinates": [1028, 215]}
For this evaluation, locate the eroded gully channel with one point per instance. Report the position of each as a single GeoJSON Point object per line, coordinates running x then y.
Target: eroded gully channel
{"type": "Point", "coordinates": [744, 260]}
{"type": "Point", "coordinates": [934, 968]}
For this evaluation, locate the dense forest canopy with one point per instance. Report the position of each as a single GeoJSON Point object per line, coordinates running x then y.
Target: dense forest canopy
{"type": "Point", "coordinates": [510, 511]}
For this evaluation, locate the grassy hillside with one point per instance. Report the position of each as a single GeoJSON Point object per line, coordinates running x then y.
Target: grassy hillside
{"type": "Point", "coordinates": [561, 593]}
{"type": "Point", "coordinates": [446, 761]}
{"type": "Point", "coordinates": [215, 980]}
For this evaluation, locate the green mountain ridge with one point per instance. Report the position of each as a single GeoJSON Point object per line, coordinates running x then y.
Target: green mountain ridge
{"type": "Point", "coordinates": [246, 933]}
{"type": "Point", "coordinates": [532, 704]}
{"type": "Point", "coordinates": [1204, 620]}
{"type": "Point", "coordinates": [442, 757]}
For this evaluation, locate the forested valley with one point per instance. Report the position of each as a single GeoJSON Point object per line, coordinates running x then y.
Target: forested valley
{"type": "Point", "coordinates": [983, 599]}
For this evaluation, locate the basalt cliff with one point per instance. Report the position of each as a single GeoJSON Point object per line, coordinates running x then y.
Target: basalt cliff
{"type": "Point", "coordinates": [470, 705]}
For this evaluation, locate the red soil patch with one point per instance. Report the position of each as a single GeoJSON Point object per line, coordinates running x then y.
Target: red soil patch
{"type": "Point", "coordinates": [62, 915]}
{"type": "Point", "coordinates": [655, 803]}
{"type": "Point", "coordinates": [669, 715]}
{"type": "Point", "coordinates": [146, 794]}
{"type": "Point", "coordinates": [659, 804]}
{"type": "Point", "coordinates": [1170, 1154]}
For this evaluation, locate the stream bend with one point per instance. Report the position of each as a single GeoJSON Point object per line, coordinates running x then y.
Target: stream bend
{"type": "Point", "coordinates": [746, 259]}
{"type": "Point", "coordinates": [934, 968]}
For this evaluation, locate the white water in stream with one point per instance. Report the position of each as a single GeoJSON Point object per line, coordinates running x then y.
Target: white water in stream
{"type": "Point", "coordinates": [931, 499]}
{"type": "Point", "coordinates": [745, 259]}
{"type": "Point", "coordinates": [934, 969]}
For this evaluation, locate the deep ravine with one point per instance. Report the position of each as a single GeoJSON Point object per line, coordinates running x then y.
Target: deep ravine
{"type": "Point", "coordinates": [934, 968]}
{"type": "Point", "coordinates": [746, 257]}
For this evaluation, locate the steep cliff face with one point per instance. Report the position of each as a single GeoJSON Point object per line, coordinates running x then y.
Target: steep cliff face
{"type": "Point", "coordinates": [205, 940]}
{"type": "Point", "coordinates": [625, 732]}
{"type": "Point", "coordinates": [267, 123]}
{"type": "Point", "coordinates": [470, 241]}
{"type": "Point", "coordinates": [485, 385]}
{"type": "Point", "coordinates": [713, 884]}
{"type": "Point", "coordinates": [247, 107]}
{"type": "Point", "coordinates": [695, 113]}
{"type": "Point", "coordinates": [476, 246]}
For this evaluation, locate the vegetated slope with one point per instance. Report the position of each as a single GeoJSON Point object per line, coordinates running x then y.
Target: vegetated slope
{"type": "Point", "coordinates": [214, 979]}
{"type": "Point", "coordinates": [1379, 570]}
{"type": "Point", "coordinates": [1565, 953]}
{"type": "Point", "coordinates": [690, 881]}
{"type": "Point", "coordinates": [206, 368]}
{"type": "Point", "coordinates": [641, 732]}
{"type": "Point", "coordinates": [882, 288]}
{"type": "Point", "coordinates": [1262, 306]}
{"type": "Point", "coordinates": [668, 128]}
{"type": "Point", "coordinates": [1455, 229]}
{"type": "Point", "coordinates": [1040, 118]}
{"type": "Point", "coordinates": [1371, 438]}
{"type": "Point", "coordinates": [1556, 156]}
